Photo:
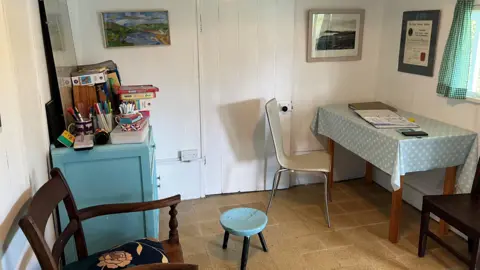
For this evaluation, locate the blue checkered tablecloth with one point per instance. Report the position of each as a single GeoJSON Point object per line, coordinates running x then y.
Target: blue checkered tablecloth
{"type": "Point", "coordinates": [397, 155]}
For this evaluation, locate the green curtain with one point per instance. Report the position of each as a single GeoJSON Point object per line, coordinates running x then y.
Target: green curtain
{"type": "Point", "coordinates": [455, 68]}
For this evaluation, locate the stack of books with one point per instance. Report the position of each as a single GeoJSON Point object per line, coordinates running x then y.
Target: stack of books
{"type": "Point", "coordinates": [136, 124]}
{"type": "Point", "coordinates": [140, 96]}
{"type": "Point", "coordinates": [128, 119]}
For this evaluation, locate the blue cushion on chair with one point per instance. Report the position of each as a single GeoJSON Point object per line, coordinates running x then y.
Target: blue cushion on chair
{"type": "Point", "coordinates": [140, 252]}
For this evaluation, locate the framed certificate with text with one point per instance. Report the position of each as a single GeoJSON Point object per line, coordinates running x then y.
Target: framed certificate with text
{"type": "Point", "coordinates": [418, 43]}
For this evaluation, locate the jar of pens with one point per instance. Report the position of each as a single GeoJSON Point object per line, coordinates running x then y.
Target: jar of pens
{"type": "Point", "coordinates": [98, 123]}
{"type": "Point", "coordinates": [82, 126]}
{"type": "Point", "coordinates": [103, 116]}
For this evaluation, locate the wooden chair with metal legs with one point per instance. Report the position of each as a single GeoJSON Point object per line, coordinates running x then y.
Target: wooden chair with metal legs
{"type": "Point", "coordinates": [315, 162]}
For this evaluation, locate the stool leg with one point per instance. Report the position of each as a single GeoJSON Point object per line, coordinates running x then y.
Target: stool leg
{"type": "Point", "coordinates": [246, 245]}
{"type": "Point", "coordinates": [262, 240]}
{"type": "Point", "coordinates": [225, 240]}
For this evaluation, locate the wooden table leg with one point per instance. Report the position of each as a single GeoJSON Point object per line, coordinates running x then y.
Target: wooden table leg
{"type": "Point", "coordinates": [331, 151]}
{"type": "Point", "coordinates": [369, 173]}
{"type": "Point", "coordinates": [448, 189]}
{"type": "Point", "coordinates": [396, 214]}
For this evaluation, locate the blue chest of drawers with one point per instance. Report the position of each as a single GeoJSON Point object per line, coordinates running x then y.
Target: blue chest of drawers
{"type": "Point", "coordinates": [110, 174]}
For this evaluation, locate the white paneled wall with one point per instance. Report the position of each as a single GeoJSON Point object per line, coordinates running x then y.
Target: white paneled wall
{"type": "Point", "coordinates": [246, 59]}
{"type": "Point", "coordinates": [227, 58]}
{"type": "Point", "coordinates": [322, 83]}
{"type": "Point", "coordinates": [332, 82]}
{"type": "Point", "coordinates": [177, 174]}
{"type": "Point", "coordinates": [174, 69]}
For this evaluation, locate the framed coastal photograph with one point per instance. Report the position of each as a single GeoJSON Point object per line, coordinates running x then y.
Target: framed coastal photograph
{"type": "Point", "coordinates": [136, 28]}
{"type": "Point", "coordinates": [335, 35]}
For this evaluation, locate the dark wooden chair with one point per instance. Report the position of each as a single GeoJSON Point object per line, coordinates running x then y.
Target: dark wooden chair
{"type": "Point", "coordinates": [56, 190]}
{"type": "Point", "coordinates": [461, 211]}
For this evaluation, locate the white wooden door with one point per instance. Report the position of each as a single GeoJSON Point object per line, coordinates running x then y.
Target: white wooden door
{"type": "Point", "coordinates": [245, 50]}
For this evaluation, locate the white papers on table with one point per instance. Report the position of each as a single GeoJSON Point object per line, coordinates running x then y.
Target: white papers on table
{"type": "Point", "coordinates": [385, 119]}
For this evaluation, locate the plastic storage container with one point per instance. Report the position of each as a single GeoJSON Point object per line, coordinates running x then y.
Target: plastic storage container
{"type": "Point", "coordinates": [117, 136]}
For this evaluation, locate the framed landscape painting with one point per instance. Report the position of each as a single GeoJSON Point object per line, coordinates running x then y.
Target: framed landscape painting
{"type": "Point", "coordinates": [136, 28]}
{"type": "Point", "coordinates": [335, 35]}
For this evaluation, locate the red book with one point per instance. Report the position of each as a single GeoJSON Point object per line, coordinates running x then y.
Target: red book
{"type": "Point", "coordinates": [137, 89]}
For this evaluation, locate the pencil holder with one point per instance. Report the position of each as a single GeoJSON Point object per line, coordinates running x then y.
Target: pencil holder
{"type": "Point", "coordinates": [108, 121]}
{"type": "Point", "coordinates": [81, 127]}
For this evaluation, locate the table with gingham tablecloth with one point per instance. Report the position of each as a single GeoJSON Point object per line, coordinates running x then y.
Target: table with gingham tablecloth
{"type": "Point", "coordinates": [447, 146]}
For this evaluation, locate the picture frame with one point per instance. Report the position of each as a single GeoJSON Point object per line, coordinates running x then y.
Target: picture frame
{"type": "Point", "coordinates": [135, 28]}
{"type": "Point", "coordinates": [335, 35]}
{"type": "Point", "coordinates": [418, 42]}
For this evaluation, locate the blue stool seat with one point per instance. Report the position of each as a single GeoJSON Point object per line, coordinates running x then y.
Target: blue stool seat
{"type": "Point", "coordinates": [244, 222]}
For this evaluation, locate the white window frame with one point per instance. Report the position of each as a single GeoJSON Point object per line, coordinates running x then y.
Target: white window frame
{"type": "Point", "coordinates": [474, 77]}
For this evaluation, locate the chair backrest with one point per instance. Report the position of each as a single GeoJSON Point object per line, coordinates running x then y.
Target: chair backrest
{"type": "Point", "coordinates": [476, 181]}
{"type": "Point", "coordinates": [276, 128]}
{"type": "Point", "coordinates": [34, 222]}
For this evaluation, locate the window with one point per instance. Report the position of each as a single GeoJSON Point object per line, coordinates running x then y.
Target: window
{"type": "Point", "coordinates": [474, 78]}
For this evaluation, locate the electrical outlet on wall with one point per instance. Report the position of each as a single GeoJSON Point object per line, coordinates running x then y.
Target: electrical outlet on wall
{"type": "Point", "coordinates": [285, 107]}
{"type": "Point", "coordinates": [188, 155]}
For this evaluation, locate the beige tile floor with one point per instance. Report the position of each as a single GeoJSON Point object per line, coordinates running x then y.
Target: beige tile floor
{"type": "Point", "coordinates": [298, 237]}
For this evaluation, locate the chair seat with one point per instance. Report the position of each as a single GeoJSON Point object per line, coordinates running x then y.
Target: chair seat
{"type": "Point", "coordinates": [244, 221]}
{"type": "Point", "coordinates": [461, 207]}
{"type": "Point", "coordinates": [312, 162]}
{"type": "Point", "coordinates": [135, 253]}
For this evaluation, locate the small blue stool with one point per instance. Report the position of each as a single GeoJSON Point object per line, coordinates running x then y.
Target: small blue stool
{"type": "Point", "coordinates": [244, 222]}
